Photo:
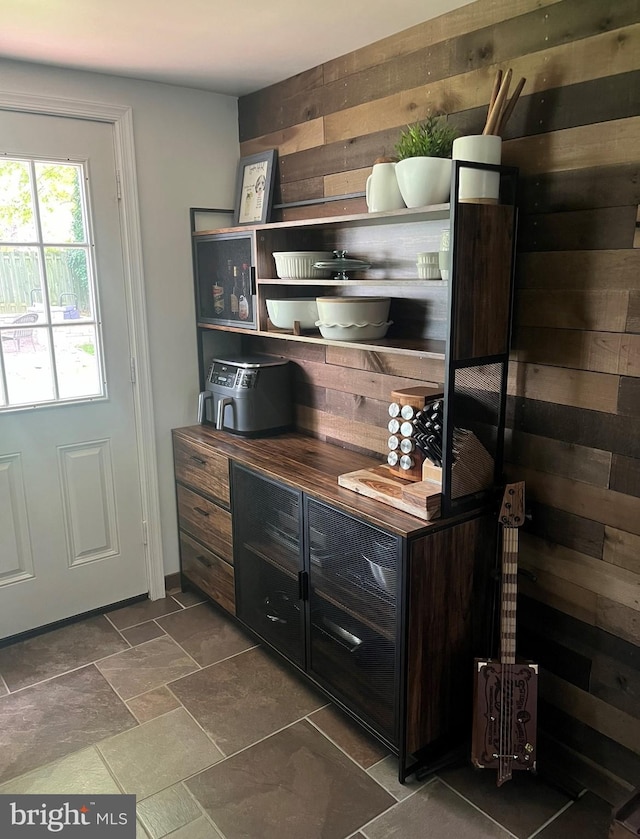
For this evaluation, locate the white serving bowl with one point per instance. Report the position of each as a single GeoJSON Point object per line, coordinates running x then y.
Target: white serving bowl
{"type": "Point", "coordinates": [348, 310]}
{"type": "Point", "coordinates": [282, 313]}
{"type": "Point", "coordinates": [298, 265]}
{"type": "Point", "coordinates": [353, 331]}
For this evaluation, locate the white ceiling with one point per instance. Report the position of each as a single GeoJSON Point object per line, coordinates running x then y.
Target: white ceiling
{"type": "Point", "coordinates": [220, 45]}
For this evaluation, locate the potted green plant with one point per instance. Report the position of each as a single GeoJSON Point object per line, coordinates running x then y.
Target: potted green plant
{"type": "Point", "coordinates": [424, 161]}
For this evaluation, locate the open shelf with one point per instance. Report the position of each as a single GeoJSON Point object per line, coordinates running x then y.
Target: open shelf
{"type": "Point", "coordinates": [389, 284]}
{"type": "Point", "coordinates": [427, 348]}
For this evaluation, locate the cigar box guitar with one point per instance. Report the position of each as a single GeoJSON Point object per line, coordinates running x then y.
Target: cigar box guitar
{"type": "Point", "coordinates": [505, 703]}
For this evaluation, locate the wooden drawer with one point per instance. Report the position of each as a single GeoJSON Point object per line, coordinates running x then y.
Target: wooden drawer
{"type": "Point", "coordinates": [202, 468]}
{"type": "Point", "coordinates": [206, 521]}
{"type": "Point", "coordinates": [207, 571]}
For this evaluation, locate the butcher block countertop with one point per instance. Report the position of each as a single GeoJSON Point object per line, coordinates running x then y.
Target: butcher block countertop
{"type": "Point", "coordinates": [312, 466]}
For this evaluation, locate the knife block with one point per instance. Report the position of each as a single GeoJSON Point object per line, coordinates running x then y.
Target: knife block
{"type": "Point", "coordinates": [473, 468]}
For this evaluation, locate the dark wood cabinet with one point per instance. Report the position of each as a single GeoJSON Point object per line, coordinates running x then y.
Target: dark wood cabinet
{"type": "Point", "coordinates": [380, 610]}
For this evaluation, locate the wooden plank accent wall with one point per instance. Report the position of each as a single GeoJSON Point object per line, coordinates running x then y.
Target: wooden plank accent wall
{"type": "Point", "coordinates": [574, 379]}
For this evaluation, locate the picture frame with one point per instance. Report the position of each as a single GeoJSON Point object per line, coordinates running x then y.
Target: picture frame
{"type": "Point", "coordinates": [254, 188]}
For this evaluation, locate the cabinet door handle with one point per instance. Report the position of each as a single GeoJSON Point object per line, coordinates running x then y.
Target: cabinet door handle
{"type": "Point", "coordinates": [198, 460]}
{"type": "Point", "coordinates": [303, 585]}
{"type": "Point", "coordinates": [202, 512]}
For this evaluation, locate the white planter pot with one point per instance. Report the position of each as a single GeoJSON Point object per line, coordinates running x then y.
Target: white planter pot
{"type": "Point", "coordinates": [424, 180]}
{"type": "Point", "coordinates": [476, 185]}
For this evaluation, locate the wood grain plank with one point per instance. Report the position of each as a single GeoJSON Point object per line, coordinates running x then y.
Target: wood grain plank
{"type": "Point", "coordinates": [556, 457]}
{"type": "Point", "coordinates": [305, 190]}
{"type": "Point", "coordinates": [615, 683]}
{"type": "Point", "coordinates": [423, 369]}
{"type": "Point", "coordinates": [305, 135]}
{"type": "Point", "coordinates": [596, 351]}
{"type": "Point", "coordinates": [501, 42]}
{"type": "Point", "coordinates": [621, 548]}
{"type": "Point", "coordinates": [582, 189]}
{"type": "Point", "coordinates": [604, 311]}
{"type": "Point", "coordinates": [619, 620]}
{"type": "Point", "coordinates": [324, 426]}
{"type": "Point", "coordinates": [575, 532]}
{"type": "Point", "coordinates": [567, 597]}
{"type": "Point", "coordinates": [604, 144]}
{"type": "Point", "coordinates": [363, 383]}
{"type": "Point", "coordinates": [633, 316]}
{"type": "Point", "coordinates": [603, 505]}
{"type": "Point", "coordinates": [564, 386]}
{"type": "Point", "coordinates": [625, 475]}
{"type": "Point", "coordinates": [585, 270]}
{"type": "Point", "coordinates": [295, 100]}
{"type": "Point", "coordinates": [629, 397]}
{"type": "Point", "coordinates": [595, 429]}
{"type": "Point", "coordinates": [601, 578]}
{"type": "Point", "coordinates": [359, 408]}
{"type": "Point", "coordinates": [334, 208]}
{"type": "Point", "coordinates": [603, 55]}
{"type": "Point", "coordinates": [450, 25]}
{"type": "Point", "coordinates": [608, 227]}
{"type": "Point", "coordinates": [606, 719]}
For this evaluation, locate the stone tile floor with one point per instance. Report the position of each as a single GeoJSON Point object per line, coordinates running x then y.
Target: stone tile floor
{"type": "Point", "coordinates": [170, 700]}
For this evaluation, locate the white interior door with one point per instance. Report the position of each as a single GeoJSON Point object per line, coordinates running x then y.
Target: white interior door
{"type": "Point", "coordinates": [71, 530]}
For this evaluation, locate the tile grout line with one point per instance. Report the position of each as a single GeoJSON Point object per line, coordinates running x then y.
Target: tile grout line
{"type": "Point", "coordinates": [346, 754]}
{"type": "Point", "coordinates": [2, 681]}
{"type": "Point", "coordinates": [552, 819]}
{"type": "Point", "coordinates": [108, 619]}
{"type": "Point", "coordinates": [202, 810]}
{"type": "Point", "coordinates": [475, 807]}
{"type": "Point", "coordinates": [395, 804]}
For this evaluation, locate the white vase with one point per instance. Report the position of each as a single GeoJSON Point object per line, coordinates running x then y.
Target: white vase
{"type": "Point", "coordinates": [424, 180]}
{"type": "Point", "coordinates": [475, 184]}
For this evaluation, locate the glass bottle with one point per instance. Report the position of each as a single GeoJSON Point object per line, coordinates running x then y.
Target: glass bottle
{"type": "Point", "coordinates": [235, 294]}
{"type": "Point", "coordinates": [243, 302]}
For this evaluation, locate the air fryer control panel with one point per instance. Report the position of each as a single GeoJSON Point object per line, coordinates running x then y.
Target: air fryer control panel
{"type": "Point", "coordinates": [231, 376]}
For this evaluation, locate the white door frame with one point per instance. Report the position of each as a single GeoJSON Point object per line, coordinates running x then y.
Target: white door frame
{"type": "Point", "coordinates": [121, 117]}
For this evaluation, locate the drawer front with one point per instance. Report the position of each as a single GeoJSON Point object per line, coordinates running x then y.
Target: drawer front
{"type": "Point", "coordinates": [201, 467]}
{"type": "Point", "coordinates": [210, 573]}
{"type": "Point", "coordinates": [206, 521]}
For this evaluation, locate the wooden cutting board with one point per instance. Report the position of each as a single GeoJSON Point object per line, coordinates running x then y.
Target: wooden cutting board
{"type": "Point", "coordinates": [418, 498]}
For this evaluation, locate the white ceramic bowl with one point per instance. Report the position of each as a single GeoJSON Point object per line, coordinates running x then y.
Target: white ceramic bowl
{"type": "Point", "coordinates": [298, 265]}
{"type": "Point", "coordinates": [282, 313]}
{"type": "Point", "coordinates": [348, 310]}
{"type": "Point", "coordinates": [353, 331]}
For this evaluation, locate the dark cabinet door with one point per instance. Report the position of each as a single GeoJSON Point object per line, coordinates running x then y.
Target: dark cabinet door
{"type": "Point", "coordinates": [267, 533]}
{"type": "Point", "coordinates": [354, 585]}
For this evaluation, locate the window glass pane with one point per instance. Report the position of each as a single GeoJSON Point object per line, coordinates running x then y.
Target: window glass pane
{"type": "Point", "coordinates": [68, 283]}
{"type": "Point", "coordinates": [27, 363]}
{"type": "Point", "coordinates": [17, 219]}
{"type": "Point", "coordinates": [20, 283]}
{"type": "Point", "coordinates": [77, 362]}
{"type": "Point", "coordinates": [60, 203]}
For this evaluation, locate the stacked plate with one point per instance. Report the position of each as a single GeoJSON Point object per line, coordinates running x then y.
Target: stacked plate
{"type": "Point", "coordinates": [353, 318]}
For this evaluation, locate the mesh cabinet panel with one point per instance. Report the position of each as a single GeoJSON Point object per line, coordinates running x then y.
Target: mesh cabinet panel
{"type": "Point", "coordinates": [476, 412]}
{"type": "Point", "coordinates": [268, 547]}
{"type": "Point", "coordinates": [354, 572]}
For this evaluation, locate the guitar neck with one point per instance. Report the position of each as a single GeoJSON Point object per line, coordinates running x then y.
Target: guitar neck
{"type": "Point", "coordinates": [509, 595]}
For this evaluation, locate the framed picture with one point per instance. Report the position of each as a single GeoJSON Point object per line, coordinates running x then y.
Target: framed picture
{"type": "Point", "coordinates": [254, 188]}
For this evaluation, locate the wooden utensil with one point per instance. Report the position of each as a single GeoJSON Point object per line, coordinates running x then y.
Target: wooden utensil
{"type": "Point", "coordinates": [510, 106]}
{"type": "Point", "coordinates": [496, 112]}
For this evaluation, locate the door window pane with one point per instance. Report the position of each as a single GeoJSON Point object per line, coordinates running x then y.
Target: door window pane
{"type": "Point", "coordinates": [51, 336]}
{"type": "Point", "coordinates": [77, 361]}
{"type": "Point", "coordinates": [60, 202]}
{"type": "Point", "coordinates": [17, 219]}
{"type": "Point", "coordinates": [28, 366]}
